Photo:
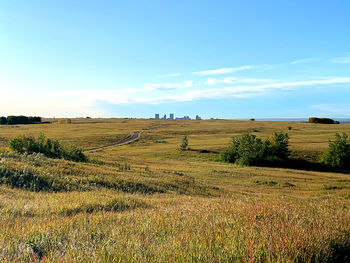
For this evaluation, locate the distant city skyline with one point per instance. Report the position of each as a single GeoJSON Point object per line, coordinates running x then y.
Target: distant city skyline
{"type": "Point", "coordinates": [173, 117]}
{"type": "Point", "coordinates": [219, 59]}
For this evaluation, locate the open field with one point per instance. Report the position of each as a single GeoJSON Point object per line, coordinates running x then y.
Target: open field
{"type": "Point", "coordinates": [149, 202]}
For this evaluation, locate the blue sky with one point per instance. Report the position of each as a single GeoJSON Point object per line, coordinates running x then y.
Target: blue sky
{"type": "Point", "coordinates": [222, 59]}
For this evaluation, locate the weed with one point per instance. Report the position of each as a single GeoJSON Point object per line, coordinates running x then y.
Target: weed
{"type": "Point", "coordinates": [48, 147]}
{"type": "Point", "coordinates": [332, 187]}
{"type": "Point", "coordinates": [287, 184]}
{"type": "Point", "coordinates": [115, 205]}
{"type": "Point", "coordinates": [269, 183]}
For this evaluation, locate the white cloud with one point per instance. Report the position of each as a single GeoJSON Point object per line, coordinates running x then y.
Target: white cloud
{"type": "Point", "coordinates": [48, 106]}
{"type": "Point", "coordinates": [333, 80]}
{"type": "Point", "coordinates": [301, 61]}
{"type": "Point", "coordinates": [88, 98]}
{"type": "Point", "coordinates": [232, 80]}
{"type": "Point", "coordinates": [223, 70]}
{"type": "Point", "coordinates": [168, 86]}
{"type": "Point", "coordinates": [341, 60]}
{"type": "Point", "coordinates": [333, 109]}
{"type": "Point", "coordinates": [23, 98]}
{"type": "Point", "coordinates": [248, 91]}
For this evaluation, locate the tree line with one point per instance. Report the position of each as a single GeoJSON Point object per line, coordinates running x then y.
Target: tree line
{"type": "Point", "coordinates": [13, 120]}
{"type": "Point", "coordinates": [322, 120]}
{"type": "Point", "coordinates": [248, 150]}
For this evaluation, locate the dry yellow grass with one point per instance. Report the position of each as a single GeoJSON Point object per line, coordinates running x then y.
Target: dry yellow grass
{"type": "Point", "coordinates": [149, 202]}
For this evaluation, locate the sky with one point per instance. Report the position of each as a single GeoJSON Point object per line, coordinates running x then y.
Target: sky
{"type": "Point", "coordinates": [219, 59]}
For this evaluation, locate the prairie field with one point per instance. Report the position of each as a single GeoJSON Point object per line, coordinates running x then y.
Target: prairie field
{"type": "Point", "coordinates": [147, 201]}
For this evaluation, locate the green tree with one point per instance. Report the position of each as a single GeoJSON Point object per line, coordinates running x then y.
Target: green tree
{"type": "Point", "coordinates": [3, 120]}
{"type": "Point", "coordinates": [338, 153]}
{"type": "Point", "coordinates": [184, 144]}
{"type": "Point", "coordinates": [279, 145]}
{"type": "Point", "coordinates": [244, 150]}
{"type": "Point", "coordinates": [247, 149]}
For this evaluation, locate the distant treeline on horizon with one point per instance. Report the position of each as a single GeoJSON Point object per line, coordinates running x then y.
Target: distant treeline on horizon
{"type": "Point", "coordinates": [322, 120]}
{"type": "Point", "coordinates": [340, 120]}
{"type": "Point", "coordinates": [12, 120]}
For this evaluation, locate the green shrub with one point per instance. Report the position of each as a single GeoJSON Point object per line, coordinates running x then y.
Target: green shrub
{"type": "Point", "coordinates": [269, 183]}
{"type": "Point", "coordinates": [338, 153]}
{"type": "Point", "coordinates": [48, 147]}
{"type": "Point", "coordinates": [25, 179]}
{"type": "Point", "coordinates": [279, 145]}
{"type": "Point", "coordinates": [321, 120]}
{"type": "Point", "coordinates": [13, 120]}
{"type": "Point", "coordinates": [244, 150]}
{"type": "Point", "coordinates": [73, 153]}
{"type": "Point", "coordinates": [250, 150]}
{"type": "Point", "coordinates": [3, 120]}
{"type": "Point", "coordinates": [184, 144]}
{"type": "Point", "coordinates": [34, 119]}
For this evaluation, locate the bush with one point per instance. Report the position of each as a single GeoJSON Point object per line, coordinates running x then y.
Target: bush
{"type": "Point", "coordinates": [25, 179]}
{"type": "Point", "coordinates": [244, 150]}
{"type": "Point", "coordinates": [250, 150]}
{"type": "Point", "coordinates": [74, 153]}
{"type": "Point", "coordinates": [338, 153]}
{"type": "Point", "coordinates": [3, 120]}
{"type": "Point", "coordinates": [184, 144]}
{"type": "Point", "coordinates": [50, 148]}
{"type": "Point", "coordinates": [13, 120]}
{"type": "Point", "coordinates": [322, 120]}
{"type": "Point", "coordinates": [279, 145]}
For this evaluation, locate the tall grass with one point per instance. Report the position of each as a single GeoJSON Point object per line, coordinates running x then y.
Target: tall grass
{"type": "Point", "coordinates": [48, 147]}
{"type": "Point", "coordinates": [150, 202]}
{"type": "Point", "coordinates": [189, 230]}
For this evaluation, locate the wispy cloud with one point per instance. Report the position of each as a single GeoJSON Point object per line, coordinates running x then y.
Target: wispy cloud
{"type": "Point", "coordinates": [341, 60]}
{"type": "Point", "coordinates": [46, 105]}
{"type": "Point", "coordinates": [168, 86]}
{"type": "Point", "coordinates": [302, 61]}
{"type": "Point", "coordinates": [88, 98]}
{"type": "Point", "coordinates": [332, 109]}
{"type": "Point", "coordinates": [223, 70]}
{"type": "Point", "coordinates": [85, 102]}
{"type": "Point", "coordinates": [332, 80]}
{"type": "Point", "coordinates": [232, 80]}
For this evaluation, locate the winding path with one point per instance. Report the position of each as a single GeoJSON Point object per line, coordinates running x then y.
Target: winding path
{"type": "Point", "coordinates": [133, 137]}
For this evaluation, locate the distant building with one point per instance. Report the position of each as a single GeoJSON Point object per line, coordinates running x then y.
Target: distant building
{"type": "Point", "coordinates": [198, 118]}
{"type": "Point", "coordinates": [184, 118]}
{"type": "Point", "coordinates": [171, 116]}
{"type": "Point", "coordinates": [164, 117]}
{"type": "Point", "coordinates": [156, 116]}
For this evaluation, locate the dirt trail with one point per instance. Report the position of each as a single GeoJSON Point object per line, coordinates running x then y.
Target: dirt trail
{"type": "Point", "coordinates": [133, 137]}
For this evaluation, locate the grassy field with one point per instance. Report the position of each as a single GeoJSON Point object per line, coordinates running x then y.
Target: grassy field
{"type": "Point", "coordinates": [149, 202]}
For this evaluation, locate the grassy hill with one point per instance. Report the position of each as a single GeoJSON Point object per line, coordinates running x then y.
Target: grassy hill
{"type": "Point", "coordinates": [149, 202]}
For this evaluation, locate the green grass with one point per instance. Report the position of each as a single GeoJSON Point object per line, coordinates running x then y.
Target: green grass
{"type": "Point", "coordinates": [150, 202]}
